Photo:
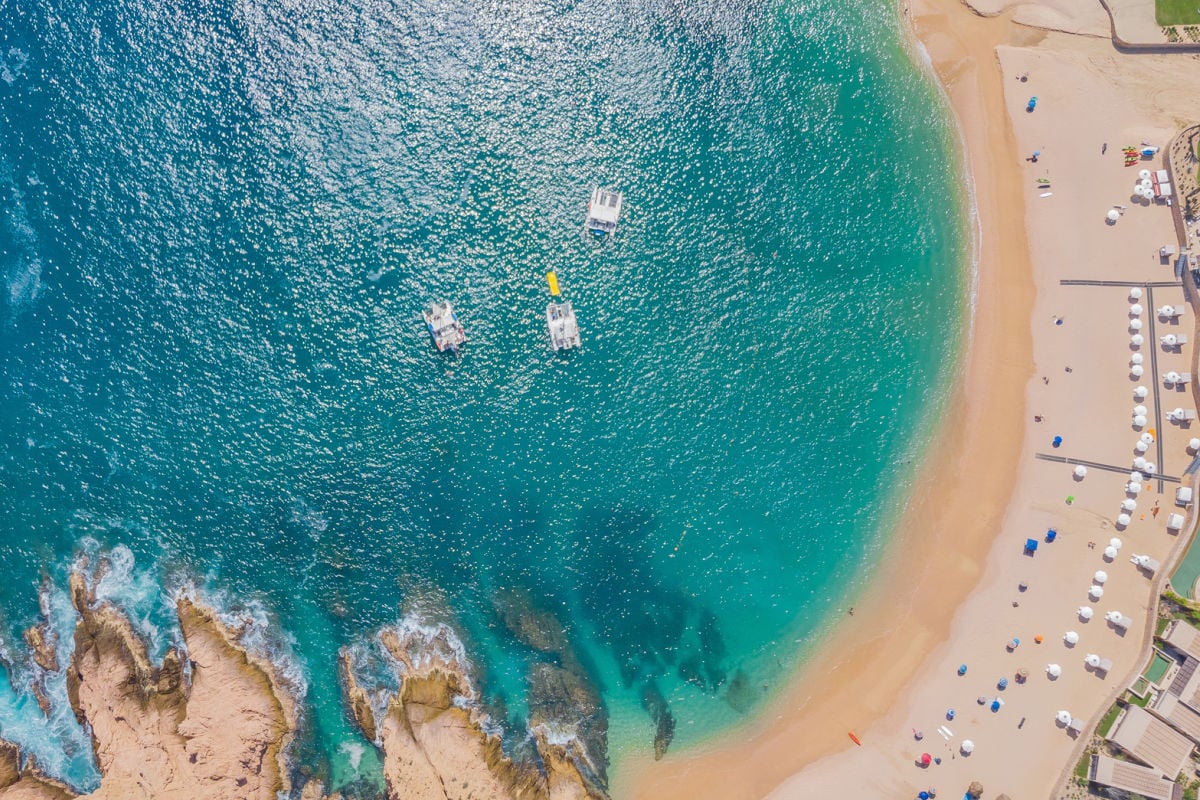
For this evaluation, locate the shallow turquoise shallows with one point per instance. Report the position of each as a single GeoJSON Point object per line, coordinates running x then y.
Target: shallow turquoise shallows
{"type": "Point", "coordinates": [219, 222]}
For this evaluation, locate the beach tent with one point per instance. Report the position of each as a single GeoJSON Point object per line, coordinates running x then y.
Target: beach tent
{"type": "Point", "coordinates": [1051, 535]}
{"type": "Point", "coordinates": [1174, 522]}
{"type": "Point", "coordinates": [1183, 496]}
{"type": "Point", "coordinates": [1031, 546]}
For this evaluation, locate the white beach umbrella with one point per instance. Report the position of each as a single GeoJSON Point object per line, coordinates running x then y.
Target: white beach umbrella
{"type": "Point", "coordinates": [1141, 446]}
{"type": "Point", "coordinates": [1143, 174]}
{"type": "Point", "coordinates": [1115, 542]}
{"type": "Point", "coordinates": [1171, 377]}
{"type": "Point", "coordinates": [1100, 577]}
{"type": "Point", "coordinates": [1071, 637]}
{"type": "Point", "coordinates": [1140, 410]}
{"type": "Point", "coordinates": [1085, 613]}
{"type": "Point", "coordinates": [1135, 293]}
{"type": "Point", "coordinates": [1139, 190]}
{"type": "Point", "coordinates": [1063, 717]}
{"type": "Point", "coordinates": [1113, 616]}
{"type": "Point", "coordinates": [1110, 553]}
{"type": "Point", "coordinates": [1137, 370]}
{"type": "Point", "coordinates": [1193, 444]}
{"type": "Point", "coordinates": [1096, 592]}
{"type": "Point", "coordinates": [967, 746]}
{"type": "Point", "coordinates": [1114, 215]}
{"type": "Point", "coordinates": [1137, 340]}
{"type": "Point", "coordinates": [1141, 392]}
{"type": "Point", "coordinates": [1141, 561]}
{"type": "Point", "coordinates": [1081, 471]}
{"type": "Point", "coordinates": [1151, 467]}
{"type": "Point", "coordinates": [1137, 358]}
{"type": "Point", "coordinates": [1177, 413]}
{"type": "Point", "coordinates": [1053, 670]}
{"type": "Point", "coordinates": [1166, 311]}
{"type": "Point", "coordinates": [1133, 487]}
{"type": "Point", "coordinates": [1139, 421]}
{"type": "Point", "coordinates": [1148, 185]}
{"type": "Point", "coordinates": [1147, 437]}
{"type": "Point", "coordinates": [1124, 519]}
{"type": "Point", "coordinates": [1139, 463]}
{"type": "Point", "coordinates": [1135, 324]}
{"type": "Point", "coordinates": [1092, 660]}
{"type": "Point", "coordinates": [1170, 340]}
{"type": "Point", "coordinates": [1129, 505]}
{"type": "Point", "coordinates": [1136, 309]}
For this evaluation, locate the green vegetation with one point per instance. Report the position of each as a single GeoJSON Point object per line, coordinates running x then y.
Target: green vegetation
{"type": "Point", "coordinates": [1139, 701]}
{"type": "Point", "coordinates": [1160, 625]}
{"type": "Point", "coordinates": [1177, 12]}
{"type": "Point", "coordinates": [1084, 767]}
{"type": "Point", "coordinates": [1107, 720]}
{"type": "Point", "coordinates": [1182, 607]}
{"type": "Point", "coordinates": [1190, 788]}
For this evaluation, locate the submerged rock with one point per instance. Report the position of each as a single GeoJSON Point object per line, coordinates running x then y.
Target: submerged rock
{"type": "Point", "coordinates": [664, 721]}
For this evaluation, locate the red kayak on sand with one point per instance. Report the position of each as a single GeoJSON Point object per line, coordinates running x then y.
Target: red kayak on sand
{"type": "Point", "coordinates": [855, 739]}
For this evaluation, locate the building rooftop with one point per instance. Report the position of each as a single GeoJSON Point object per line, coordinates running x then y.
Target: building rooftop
{"type": "Point", "coordinates": [1152, 741]}
{"type": "Point", "coordinates": [1133, 778]}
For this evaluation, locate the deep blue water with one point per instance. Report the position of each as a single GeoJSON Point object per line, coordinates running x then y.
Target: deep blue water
{"type": "Point", "coordinates": [219, 223]}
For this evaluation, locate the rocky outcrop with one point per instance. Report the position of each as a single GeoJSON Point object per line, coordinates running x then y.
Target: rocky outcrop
{"type": "Point", "coordinates": [434, 743]}
{"type": "Point", "coordinates": [17, 783]}
{"type": "Point", "coordinates": [220, 736]}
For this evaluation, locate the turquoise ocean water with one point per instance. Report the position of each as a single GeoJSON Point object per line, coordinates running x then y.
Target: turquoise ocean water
{"type": "Point", "coordinates": [219, 222]}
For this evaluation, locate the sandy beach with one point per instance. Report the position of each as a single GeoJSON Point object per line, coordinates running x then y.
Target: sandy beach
{"type": "Point", "coordinates": [948, 593]}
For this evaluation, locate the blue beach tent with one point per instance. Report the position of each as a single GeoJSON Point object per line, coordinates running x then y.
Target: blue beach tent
{"type": "Point", "coordinates": [1031, 546]}
{"type": "Point", "coordinates": [1051, 535]}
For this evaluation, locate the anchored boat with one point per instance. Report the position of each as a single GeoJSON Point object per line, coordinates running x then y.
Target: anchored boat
{"type": "Point", "coordinates": [563, 328]}
{"type": "Point", "coordinates": [447, 332]}
{"type": "Point", "coordinates": [604, 210]}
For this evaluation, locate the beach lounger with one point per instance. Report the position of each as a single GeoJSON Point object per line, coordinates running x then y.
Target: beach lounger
{"type": "Point", "coordinates": [1174, 311]}
{"type": "Point", "coordinates": [1184, 377]}
{"type": "Point", "coordinates": [1189, 414]}
{"type": "Point", "coordinates": [1161, 176]}
{"type": "Point", "coordinates": [1076, 725]}
{"type": "Point", "coordinates": [1183, 496]}
{"type": "Point", "coordinates": [1124, 622]}
{"type": "Point", "coordinates": [1151, 565]}
{"type": "Point", "coordinates": [1105, 665]}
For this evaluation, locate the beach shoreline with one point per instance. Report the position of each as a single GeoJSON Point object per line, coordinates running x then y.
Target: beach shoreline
{"type": "Point", "coordinates": [947, 587]}
{"type": "Point", "coordinates": [842, 687]}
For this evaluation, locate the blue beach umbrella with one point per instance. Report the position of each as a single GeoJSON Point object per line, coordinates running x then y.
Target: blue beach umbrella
{"type": "Point", "coordinates": [962, 669]}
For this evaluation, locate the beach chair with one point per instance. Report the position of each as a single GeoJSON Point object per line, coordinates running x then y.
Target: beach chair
{"type": "Point", "coordinates": [1151, 565]}
{"type": "Point", "coordinates": [1105, 665]}
{"type": "Point", "coordinates": [1180, 339]}
{"type": "Point", "coordinates": [1183, 496]}
{"type": "Point", "coordinates": [1076, 725]}
{"type": "Point", "coordinates": [1124, 622]}
{"type": "Point", "coordinates": [1177, 311]}
{"type": "Point", "coordinates": [1184, 377]}
{"type": "Point", "coordinates": [1189, 415]}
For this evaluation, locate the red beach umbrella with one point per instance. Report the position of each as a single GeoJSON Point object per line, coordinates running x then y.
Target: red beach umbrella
{"type": "Point", "coordinates": [926, 759]}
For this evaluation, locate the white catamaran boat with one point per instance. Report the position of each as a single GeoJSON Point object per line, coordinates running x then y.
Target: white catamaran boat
{"type": "Point", "coordinates": [444, 327]}
{"type": "Point", "coordinates": [604, 210]}
{"type": "Point", "coordinates": [563, 328]}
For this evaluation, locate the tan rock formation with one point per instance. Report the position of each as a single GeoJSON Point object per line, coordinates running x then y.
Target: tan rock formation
{"type": "Point", "coordinates": [28, 783]}
{"type": "Point", "coordinates": [219, 738]}
{"type": "Point", "coordinates": [435, 746]}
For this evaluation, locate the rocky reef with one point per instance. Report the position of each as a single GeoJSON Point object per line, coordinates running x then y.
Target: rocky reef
{"type": "Point", "coordinates": [213, 722]}
{"type": "Point", "coordinates": [434, 738]}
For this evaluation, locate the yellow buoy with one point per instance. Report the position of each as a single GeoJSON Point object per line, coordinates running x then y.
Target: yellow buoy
{"type": "Point", "coordinates": [552, 279]}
